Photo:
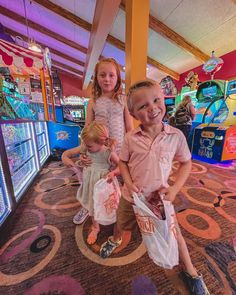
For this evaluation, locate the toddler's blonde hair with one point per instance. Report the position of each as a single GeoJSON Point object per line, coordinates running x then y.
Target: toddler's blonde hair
{"type": "Point", "coordinates": [98, 133]}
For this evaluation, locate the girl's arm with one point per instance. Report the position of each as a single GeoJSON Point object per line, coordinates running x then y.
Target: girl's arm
{"type": "Point", "coordinates": [192, 111]}
{"type": "Point", "coordinates": [114, 159]}
{"type": "Point", "coordinates": [89, 112]}
{"type": "Point", "coordinates": [128, 119]}
{"type": "Point", "coordinates": [67, 155]}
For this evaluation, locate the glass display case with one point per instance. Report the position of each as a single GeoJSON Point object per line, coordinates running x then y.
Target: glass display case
{"type": "Point", "coordinates": [4, 199]}
{"type": "Point", "coordinates": [21, 154]}
{"type": "Point", "coordinates": [42, 141]}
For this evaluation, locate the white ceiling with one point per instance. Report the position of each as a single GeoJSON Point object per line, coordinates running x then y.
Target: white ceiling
{"type": "Point", "coordinates": [207, 24]}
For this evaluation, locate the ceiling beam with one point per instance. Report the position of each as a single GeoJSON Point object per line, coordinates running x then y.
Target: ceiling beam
{"type": "Point", "coordinates": [104, 16]}
{"type": "Point", "coordinates": [59, 70]}
{"type": "Point", "coordinates": [62, 65]}
{"type": "Point", "coordinates": [87, 26]}
{"type": "Point", "coordinates": [52, 50]}
{"type": "Point", "coordinates": [172, 36]}
{"type": "Point", "coordinates": [175, 38]}
{"type": "Point", "coordinates": [12, 15]}
{"type": "Point", "coordinates": [65, 14]}
{"type": "Point", "coordinates": [163, 68]}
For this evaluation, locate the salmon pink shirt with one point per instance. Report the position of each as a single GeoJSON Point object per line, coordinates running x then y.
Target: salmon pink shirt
{"type": "Point", "coordinates": [150, 161]}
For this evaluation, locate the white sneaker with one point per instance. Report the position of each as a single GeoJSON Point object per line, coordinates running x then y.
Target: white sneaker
{"type": "Point", "coordinates": [81, 216]}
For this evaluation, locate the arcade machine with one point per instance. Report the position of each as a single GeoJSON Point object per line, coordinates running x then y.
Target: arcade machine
{"type": "Point", "coordinates": [24, 145]}
{"type": "Point", "coordinates": [64, 135]}
{"type": "Point", "coordinates": [5, 207]}
{"type": "Point", "coordinates": [170, 105]}
{"type": "Point", "coordinates": [215, 139]}
{"type": "Point", "coordinates": [74, 109]}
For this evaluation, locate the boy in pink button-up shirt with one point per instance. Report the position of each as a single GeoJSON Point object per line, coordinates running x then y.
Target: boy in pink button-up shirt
{"type": "Point", "coordinates": [145, 164]}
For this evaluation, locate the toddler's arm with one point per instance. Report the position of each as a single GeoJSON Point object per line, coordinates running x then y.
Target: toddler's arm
{"type": "Point", "coordinates": [181, 176]}
{"type": "Point", "coordinates": [67, 155]}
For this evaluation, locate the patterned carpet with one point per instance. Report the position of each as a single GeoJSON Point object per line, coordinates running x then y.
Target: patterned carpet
{"type": "Point", "coordinates": [43, 252]}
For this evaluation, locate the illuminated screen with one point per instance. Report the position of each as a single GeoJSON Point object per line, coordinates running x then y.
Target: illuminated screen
{"type": "Point", "coordinates": [78, 114]}
{"type": "Point", "coordinates": [209, 91]}
{"type": "Point", "coordinates": [169, 101]}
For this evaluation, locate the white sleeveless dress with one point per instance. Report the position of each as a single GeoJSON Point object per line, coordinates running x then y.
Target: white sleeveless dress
{"type": "Point", "coordinates": [111, 113]}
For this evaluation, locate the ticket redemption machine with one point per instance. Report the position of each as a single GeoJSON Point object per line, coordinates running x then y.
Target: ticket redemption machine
{"type": "Point", "coordinates": [215, 139]}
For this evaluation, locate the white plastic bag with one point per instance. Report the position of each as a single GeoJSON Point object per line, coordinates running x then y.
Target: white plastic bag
{"type": "Point", "coordinates": [106, 197]}
{"type": "Point", "coordinates": [158, 235]}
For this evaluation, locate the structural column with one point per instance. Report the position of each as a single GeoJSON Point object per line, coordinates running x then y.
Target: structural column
{"type": "Point", "coordinates": [136, 41]}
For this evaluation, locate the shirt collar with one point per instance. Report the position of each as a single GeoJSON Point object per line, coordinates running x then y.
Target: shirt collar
{"type": "Point", "coordinates": [166, 129]}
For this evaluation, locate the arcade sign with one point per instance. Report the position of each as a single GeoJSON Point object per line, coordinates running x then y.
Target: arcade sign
{"type": "Point", "coordinates": [74, 100]}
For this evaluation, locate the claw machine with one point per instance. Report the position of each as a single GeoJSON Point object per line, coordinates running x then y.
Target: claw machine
{"type": "Point", "coordinates": [42, 141]}
{"type": "Point", "coordinates": [5, 205]}
{"type": "Point", "coordinates": [21, 154]}
{"type": "Point", "coordinates": [24, 144]}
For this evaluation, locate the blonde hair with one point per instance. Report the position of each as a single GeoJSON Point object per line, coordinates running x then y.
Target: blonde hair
{"type": "Point", "coordinates": [96, 89]}
{"type": "Point", "coordinates": [187, 99]}
{"type": "Point", "coordinates": [136, 86]}
{"type": "Point", "coordinates": [98, 133]}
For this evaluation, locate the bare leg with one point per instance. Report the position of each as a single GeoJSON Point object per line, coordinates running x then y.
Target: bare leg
{"type": "Point", "coordinates": [94, 230]}
{"type": "Point", "coordinates": [184, 254]}
{"type": "Point", "coordinates": [117, 233]}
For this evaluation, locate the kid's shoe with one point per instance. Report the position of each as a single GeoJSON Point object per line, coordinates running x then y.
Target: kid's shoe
{"type": "Point", "coordinates": [108, 247]}
{"type": "Point", "coordinates": [195, 285]}
{"type": "Point", "coordinates": [81, 216]}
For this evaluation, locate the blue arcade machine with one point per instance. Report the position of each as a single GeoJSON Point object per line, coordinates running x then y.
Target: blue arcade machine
{"type": "Point", "coordinates": [215, 139]}
{"type": "Point", "coordinates": [64, 134]}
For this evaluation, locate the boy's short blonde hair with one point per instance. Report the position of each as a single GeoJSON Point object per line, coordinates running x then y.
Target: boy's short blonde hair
{"type": "Point", "coordinates": [136, 86]}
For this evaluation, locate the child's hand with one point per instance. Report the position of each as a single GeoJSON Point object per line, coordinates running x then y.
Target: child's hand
{"type": "Point", "coordinates": [110, 176]}
{"type": "Point", "coordinates": [169, 192]}
{"type": "Point", "coordinates": [132, 188]}
{"type": "Point", "coordinates": [68, 162]}
{"type": "Point", "coordinates": [85, 160]}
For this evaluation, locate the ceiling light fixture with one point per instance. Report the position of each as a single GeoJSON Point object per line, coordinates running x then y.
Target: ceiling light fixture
{"type": "Point", "coordinates": [32, 45]}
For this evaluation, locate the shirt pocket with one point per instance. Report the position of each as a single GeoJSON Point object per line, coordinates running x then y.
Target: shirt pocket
{"type": "Point", "coordinates": [166, 159]}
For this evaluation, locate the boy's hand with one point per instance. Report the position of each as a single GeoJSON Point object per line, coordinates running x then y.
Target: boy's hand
{"type": "Point", "coordinates": [169, 192]}
{"type": "Point", "coordinates": [84, 160]}
{"type": "Point", "coordinates": [131, 189]}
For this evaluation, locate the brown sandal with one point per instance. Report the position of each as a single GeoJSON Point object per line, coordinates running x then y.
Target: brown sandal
{"type": "Point", "coordinates": [92, 237]}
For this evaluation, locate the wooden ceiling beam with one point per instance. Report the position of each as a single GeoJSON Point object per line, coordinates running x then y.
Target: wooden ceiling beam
{"type": "Point", "coordinates": [52, 50]}
{"type": "Point", "coordinates": [10, 14]}
{"type": "Point", "coordinates": [64, 66]}
{"type": "Point", "coordinates": [104, 16]}
{"type": "Point", "coordinates": [59, 70]}
{"type": "Point", "coordinates": [87, 26]}
{"type": "Point", "coordinates": [65, 14]}
{"type": "Point", "coordinates": [172, 36]}
{"type": "Point", "coordinates": [175, 38]}
{"type": "Point", "coordinates": [163, 68]}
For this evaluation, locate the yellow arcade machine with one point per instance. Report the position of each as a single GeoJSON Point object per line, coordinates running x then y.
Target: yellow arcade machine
{"type": "Point", "coordinates": [215, 139]}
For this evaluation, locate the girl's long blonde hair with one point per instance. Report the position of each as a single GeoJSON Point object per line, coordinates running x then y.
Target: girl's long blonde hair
{"type": "Point", "coordinates": [96, 89]}
{"type": "Point", "coordinates": [98, 133]}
